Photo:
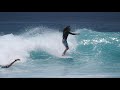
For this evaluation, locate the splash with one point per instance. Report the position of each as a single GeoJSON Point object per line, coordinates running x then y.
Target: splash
{"type": "Point", "coordinates": [40, 38]}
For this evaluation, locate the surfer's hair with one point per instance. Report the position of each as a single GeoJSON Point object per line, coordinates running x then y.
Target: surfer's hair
{"type": "Point", "coordinates": [67, 28]}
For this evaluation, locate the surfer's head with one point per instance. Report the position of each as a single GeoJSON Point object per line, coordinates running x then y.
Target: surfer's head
{"type": "Point", "coordinates": [68, 28]}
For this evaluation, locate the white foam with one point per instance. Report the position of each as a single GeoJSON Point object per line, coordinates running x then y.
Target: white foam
{"type": "Point", "coordinates": [19, 46]}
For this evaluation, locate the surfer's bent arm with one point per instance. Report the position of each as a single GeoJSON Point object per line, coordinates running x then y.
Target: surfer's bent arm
{"type": "Point", "coordinates": [11, 63]}
{"type": "Point", "coordinates": [7, 66]}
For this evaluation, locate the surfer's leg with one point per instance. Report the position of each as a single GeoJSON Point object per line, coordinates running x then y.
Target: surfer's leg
{"type": "Point", "coordinates": [65, 51]}
{"type": "Point", "coordinates": [66, 46]}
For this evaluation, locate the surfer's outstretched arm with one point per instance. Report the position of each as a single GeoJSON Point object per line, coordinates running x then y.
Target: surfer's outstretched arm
{"type": "Point", "coordinates": [7, 66]}
{"type": "Point", "coordinates": [74, 33]}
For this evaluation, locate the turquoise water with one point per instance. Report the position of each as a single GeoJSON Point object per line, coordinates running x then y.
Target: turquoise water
{"type": "Point", "coordinates": [94, 54]}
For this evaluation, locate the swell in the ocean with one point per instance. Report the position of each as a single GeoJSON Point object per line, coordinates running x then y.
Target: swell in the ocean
{"type": "Point", "coordinates": [91, 51]}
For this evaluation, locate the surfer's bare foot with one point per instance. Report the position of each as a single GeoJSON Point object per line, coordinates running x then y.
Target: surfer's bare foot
{"type": "Point", "coordinates": [63, 54]}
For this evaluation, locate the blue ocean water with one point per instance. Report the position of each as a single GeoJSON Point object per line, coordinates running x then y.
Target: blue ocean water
{"type": "Point", "coordinates": [95, 52]}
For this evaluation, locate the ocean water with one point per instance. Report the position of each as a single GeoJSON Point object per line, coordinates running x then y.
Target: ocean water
{"type": "Point", "coordinates": [95, 52]}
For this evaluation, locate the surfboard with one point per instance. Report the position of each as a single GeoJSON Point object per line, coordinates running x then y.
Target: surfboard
{"type": "Point", "coordinates": [65, 57]}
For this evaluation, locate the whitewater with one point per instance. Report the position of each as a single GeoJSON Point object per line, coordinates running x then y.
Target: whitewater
{"type": "Point", "coordinates": [94, 54]}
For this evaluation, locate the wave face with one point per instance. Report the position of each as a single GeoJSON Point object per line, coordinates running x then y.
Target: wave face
{"type": "Point", "coordinates": [40, 48]}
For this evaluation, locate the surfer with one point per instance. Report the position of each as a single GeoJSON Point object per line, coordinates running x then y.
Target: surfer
{"type": "Point", "coordinates": [66, 32]}
{"type": "Point", "coordinates": [7, 66]}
